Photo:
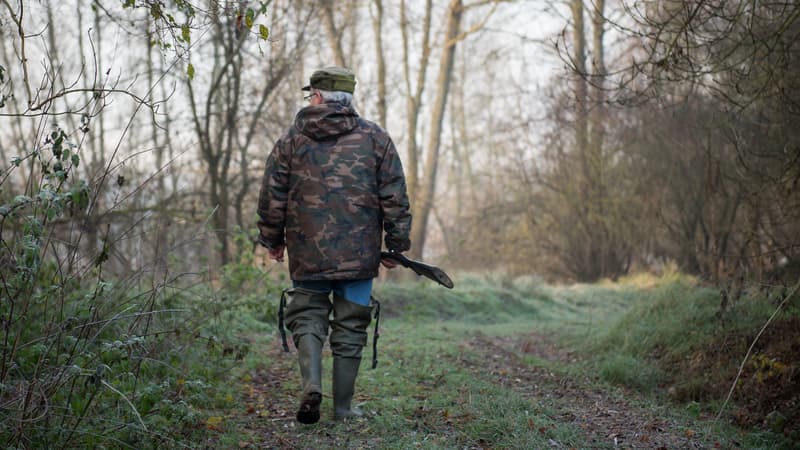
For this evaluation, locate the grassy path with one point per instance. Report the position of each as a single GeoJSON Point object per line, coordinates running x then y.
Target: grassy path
{"type": "Point", "coordinates": [473, 381]}
{"type": "Point", "coordinates": [606, 416]}
{"type": "Point", "coordinates": [478, 392]}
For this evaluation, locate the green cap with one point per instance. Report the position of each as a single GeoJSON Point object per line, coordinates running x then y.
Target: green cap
{"type": "Point", "coordinates": [332, 79]}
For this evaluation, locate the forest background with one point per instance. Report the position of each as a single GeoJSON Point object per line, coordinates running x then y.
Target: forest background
{"type": "Point", "coordinates": [571, 141]}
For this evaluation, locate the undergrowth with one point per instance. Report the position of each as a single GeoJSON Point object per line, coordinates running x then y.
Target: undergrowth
{"type": "Point", "coordinates": [100, 358]}
{"type": "Point", "coordinates": [685, 342]}
{"type": "Point", "coordinates": [113, 365]}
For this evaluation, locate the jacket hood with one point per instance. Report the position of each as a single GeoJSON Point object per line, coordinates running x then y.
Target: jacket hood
{"type": "Point", "coordinates": [326, 120]}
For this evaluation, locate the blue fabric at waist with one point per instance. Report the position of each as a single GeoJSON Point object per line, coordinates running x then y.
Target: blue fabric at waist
{"type": "Point", "coordinates": [356, 291]}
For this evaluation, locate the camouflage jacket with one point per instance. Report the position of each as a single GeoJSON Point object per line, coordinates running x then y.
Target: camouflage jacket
{"type": "Point", "coordinates": [332, 184]}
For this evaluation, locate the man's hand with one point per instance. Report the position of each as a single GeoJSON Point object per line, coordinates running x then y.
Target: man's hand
{"type": "Point", "coordinates": [388, 263]}
{"type": "Point", "coordinates": [276, 253]}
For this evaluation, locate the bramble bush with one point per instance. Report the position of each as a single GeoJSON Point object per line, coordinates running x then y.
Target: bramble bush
{"type": "Point", "coordinates": [92, 359]}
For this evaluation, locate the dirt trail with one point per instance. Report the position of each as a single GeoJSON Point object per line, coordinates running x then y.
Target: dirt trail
{"type": "Point", "coordinates": [269, 397]}
{"type": "Point", "coordinates": [608, 419]}
{"type": "Point", "coordinates": [268, 414]}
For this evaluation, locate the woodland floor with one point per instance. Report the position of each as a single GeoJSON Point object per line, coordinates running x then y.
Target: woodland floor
{"type": "Point", "coordinates": [537, 368]}
{"type": "Point", "coordinates": [605, 417]}
{"type": "Point", "coordinates": [617, 418]}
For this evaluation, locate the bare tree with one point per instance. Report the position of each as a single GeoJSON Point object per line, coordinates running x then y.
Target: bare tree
{"type": "Point", "coordinates": [226, 119]}
{"type": "Point", "coordinates": [414, 96]}
{"type": "Point", "coordinates": [377, 27]}
{"type": "Point", "coordinates": [424, 201]}
{"type": "Point", "coordinates": [336, 32]}
{"type": "Point", "coordinates": [423, 191]}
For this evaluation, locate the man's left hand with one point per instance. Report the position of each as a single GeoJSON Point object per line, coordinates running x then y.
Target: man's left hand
{"type": "Point", "coordinates": [276, 253]}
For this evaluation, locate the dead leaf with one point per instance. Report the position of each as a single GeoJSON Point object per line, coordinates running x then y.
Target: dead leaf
{"type": "Point", "coordinates": [214, 423]}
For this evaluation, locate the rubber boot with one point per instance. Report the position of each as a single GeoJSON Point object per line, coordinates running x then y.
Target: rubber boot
{"type": "Point", "coordinates": [345, 371]}
{"type": "Point", "coordinates": [309, 353]}
{"type": "Point", "coordinates": [348, 338]}
{"type": "Point", "coordinates": [307, 317]}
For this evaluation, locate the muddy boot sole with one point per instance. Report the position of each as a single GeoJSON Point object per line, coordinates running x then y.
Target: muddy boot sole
{"type": "Point", "coordinates": [309, 408]}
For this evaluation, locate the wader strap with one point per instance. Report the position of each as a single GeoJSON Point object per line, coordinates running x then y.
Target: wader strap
{"type": "Point", "coordinates": [376, 334]}
{"type": "Point", "coordinates": [280, 321]}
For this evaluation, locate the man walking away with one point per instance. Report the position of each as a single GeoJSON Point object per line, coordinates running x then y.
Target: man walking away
{"type": "Point", "coordinates": [332, 187]}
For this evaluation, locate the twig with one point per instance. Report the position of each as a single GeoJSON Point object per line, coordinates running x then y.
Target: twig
{"type": "Point", "coordinates": [133, 408]}
{"type": "Point", "coordinates": [17, 19]}
{"type": "Point", "coordinates": [753, 344]}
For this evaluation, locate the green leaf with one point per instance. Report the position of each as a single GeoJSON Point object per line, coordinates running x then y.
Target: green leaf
{"type": "Point", "coordinates": [76, 160]}
{"type": "Point", "coordinates": [186, 33]}
{"type": "Point", "coordinates": [263, 31]}
{"type": "Point", "coordinates": [249, 18]}
{"type": "Point", "coordinates": [155, 11]}
{"type": "Point", "coordinates": [20, 199]}
{"type": "Point", "coordinates": [51, 213]}
{"type": "Point", "coordinates": [129, 3]}
{"type": "Point", "coordinates": [79, 194]}
{"type": "Point", "coordinates": [186, 7]}
{"type": "Point", "coordinates": [190, 71]}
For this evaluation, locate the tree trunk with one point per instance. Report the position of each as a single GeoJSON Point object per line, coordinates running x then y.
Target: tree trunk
{"type": "Point", "coordinates": [579, 85]}
{"type": "Point", "coordinates": [377, 26]}
{"type": "Point", "coordinates": [334, 35]}
{"type": "Point", "coordinates": [608, 248]}
{"type": "Point", "coordinates": [422, 207]}
{"type": "Point", "coordinates": [414, 101]}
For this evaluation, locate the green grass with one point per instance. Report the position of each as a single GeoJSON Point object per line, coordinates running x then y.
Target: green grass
{"type": "Point", "coordinates": [664, 325]}
{"type": "Point", "coordinates": [428, 390]}
{"type": "Point", "coordinates": [474, 301]}
{"type": "Point", "coordinates": [419, 397]}
{"type": "Point", "coordinates": [631, 333]}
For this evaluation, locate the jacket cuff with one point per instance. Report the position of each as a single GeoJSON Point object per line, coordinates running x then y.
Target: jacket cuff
{"type": "Point", "coordinates": [397, 245]}
{"type": "Point", "coordinates": [268, 244]}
